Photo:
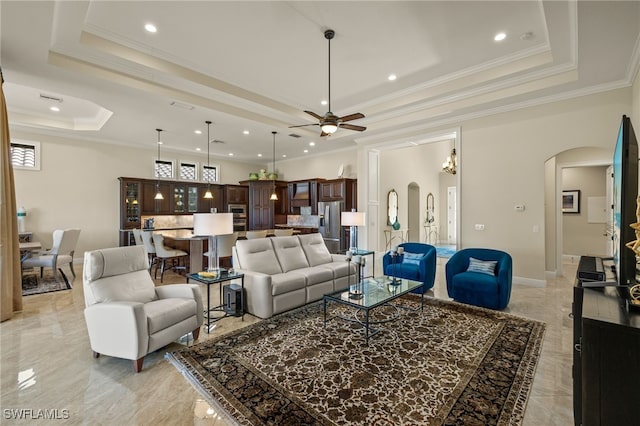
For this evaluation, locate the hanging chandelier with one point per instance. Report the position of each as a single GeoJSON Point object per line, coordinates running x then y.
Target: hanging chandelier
{"type": "Point", "coordinates": [274, 196]}
{"type": "Point", "coordinates": [158, 195]}
{"type": "Point", "coordinates": [451, 164]}
{"type": "Point", "coordinates": [208, 194]}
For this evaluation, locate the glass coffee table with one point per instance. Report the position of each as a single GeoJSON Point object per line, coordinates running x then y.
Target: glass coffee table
{"type": "Point", "coordinates": [372, 293]}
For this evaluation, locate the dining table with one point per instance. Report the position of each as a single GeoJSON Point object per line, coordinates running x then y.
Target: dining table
{"type": "Point", "coordinates": [196, 251]}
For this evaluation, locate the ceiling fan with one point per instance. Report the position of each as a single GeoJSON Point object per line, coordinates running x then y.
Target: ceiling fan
{"type": "Point", "coordinates": [330, 122]}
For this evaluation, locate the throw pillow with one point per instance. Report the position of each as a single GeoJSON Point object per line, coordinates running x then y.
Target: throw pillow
{"type": "Point", "coordinates": [483, 266]}
{"type": "Point", "coordinates": [412, 258]}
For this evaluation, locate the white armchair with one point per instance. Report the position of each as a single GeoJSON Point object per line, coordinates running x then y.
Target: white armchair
{"type": "Point", "coordinates": [127, 315]}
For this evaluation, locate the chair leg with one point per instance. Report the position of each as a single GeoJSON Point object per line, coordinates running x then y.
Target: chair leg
{"type": "Point", "coordinates": [71, 267]}
{"type": "Point", "coordinates": [55, 274]}
{"type": "Point", "coordinates": [96, 354]}
{"type": "Point", "coordinates": [162, 270]}
{"type": "Point", "coordinates": [41, 272]}
{"type": "Point", "coordinates": [137, 364]}
{"type": "Point", "coordinates": [196, 333]}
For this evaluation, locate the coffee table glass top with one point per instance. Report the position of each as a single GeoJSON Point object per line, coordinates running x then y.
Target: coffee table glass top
{"type": "Point", "coordinates": [375, 292]}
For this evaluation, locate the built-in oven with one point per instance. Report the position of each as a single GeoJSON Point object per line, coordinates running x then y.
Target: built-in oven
{"type": "Point", "coordinates": [239, 216]}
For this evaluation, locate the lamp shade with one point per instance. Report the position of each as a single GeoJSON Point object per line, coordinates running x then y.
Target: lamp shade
{"type": "Point", "coordinates": [353, 218]}
{"type": "Point", "coordinates": [212, 223]}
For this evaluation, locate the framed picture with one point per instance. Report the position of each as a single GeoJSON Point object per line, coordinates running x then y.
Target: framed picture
{"type": "Point", "coordinates": [571, 201]}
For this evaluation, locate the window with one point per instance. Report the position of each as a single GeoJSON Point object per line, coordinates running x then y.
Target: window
{"type": "Point", "coordinates": [25, 155]}
{"type": "Point", "coordinates": [210, 173]}
{"type": "Point", "coordinates": [163, 169]}
{"type": "Point", "coordinates": [188, 171]}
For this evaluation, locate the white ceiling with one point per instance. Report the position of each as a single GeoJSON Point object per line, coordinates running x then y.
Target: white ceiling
{"type": "Point", "coordinates": [257, 66]}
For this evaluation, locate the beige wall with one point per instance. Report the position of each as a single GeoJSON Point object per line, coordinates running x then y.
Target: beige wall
{"type": "Point", "coordinates": [635, 105]}
{"type": "Point", "coordinates": [77, 186]}
{"type": "Point", "coordinates": [316, 166]}
{"type": "Point", "coordinates": [578, 235]}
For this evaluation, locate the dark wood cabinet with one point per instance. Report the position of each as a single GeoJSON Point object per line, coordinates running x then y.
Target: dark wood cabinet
{"type": "Point", "coordinates": [152, 206]}
{"type": "Point", "coordinates": [236, 194]}
{"type": "Point", "coordinates": [263, 212]}
{"type": "Point", "coordinates": [303, 193]}
{"type": "Point", "coordinates": [206, 204]}
{"type": "Point", "coordinates": [607, 366]}
{"type": "Point", "coordinates": [339, 190]}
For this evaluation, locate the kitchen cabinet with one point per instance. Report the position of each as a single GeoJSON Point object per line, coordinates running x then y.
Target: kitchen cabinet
{"type": "Point", "coordinates": [205, 204]}
{"type": "Point", "coordinates": [339, 190]}
{"type": "Point", "coordinates": [303, 193]}
{"type": "Point", "coordinates": [264, 213]}
{"type": "Point", "coordinates": [152, 206]}
{"type": "Point", "coordinates": [236, 194]}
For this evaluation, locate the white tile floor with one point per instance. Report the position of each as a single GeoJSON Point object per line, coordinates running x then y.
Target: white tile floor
{"type": "Point", "coordinates": [46, 363]}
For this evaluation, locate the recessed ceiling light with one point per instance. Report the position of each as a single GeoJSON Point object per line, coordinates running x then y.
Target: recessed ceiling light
{"type": "Point", "coordinates": [305, 151]}
{"type": "Point", "coordinates": [197, 132]}
{"type": "Point", "coordinates": [246, 132]}
{"type": "Point", "coordinates": [54, 109]}
{"type": "Point", "coordinates": [392, 77]}
{"type": "Point", "coordinates": [198, 149]}
{"type": "Point", "coordinates": [150, 28]}
{"type": "Point", "coordinates": [284, 155]}
{"type": "Point", "coordinates": [323, 102]}
{"type": "Point", "coordinates": [500, 37]}
{"type": "Point", "coordinates": [231, 154]}
{"type": "Point", "coordinates": [259, 155]}
{"type": "Point", "coordinates": [312, 144]}
{"type": "Point", "coordinates": [160, 143]}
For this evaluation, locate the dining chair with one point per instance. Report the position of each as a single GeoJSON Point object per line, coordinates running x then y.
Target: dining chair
{"type": "Point", "coordinates": [164, 253]}
{"type": "Point", "coordinates": [283, 232]}
{"type": "Point", "coordinates": [61, 253]}
{"type": "Point", "coordinates": [147, 241]}
{"type": "Point", "coordinates": [256, 234]}
{"type": "Point", "coordinates": [225, 245]}
{"type": "Point", "coordinates": [137, 236]}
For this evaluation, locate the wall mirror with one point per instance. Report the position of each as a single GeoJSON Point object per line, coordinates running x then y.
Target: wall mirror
{"type": "Point", "coordinates": [392, 207]}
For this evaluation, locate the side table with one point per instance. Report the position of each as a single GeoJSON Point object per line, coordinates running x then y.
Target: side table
{"type": "Point", "coordinates": [221, 278]}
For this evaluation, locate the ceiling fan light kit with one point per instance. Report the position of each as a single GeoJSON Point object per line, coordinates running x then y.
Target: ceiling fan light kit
{"type": "Point", "coordinates": [330, 123]}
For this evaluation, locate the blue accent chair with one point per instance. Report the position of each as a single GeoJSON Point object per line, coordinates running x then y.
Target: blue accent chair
{"type": "Point", "coordinates": [425, 271]}
{"type": "Point", "coordinates": [476, 288]}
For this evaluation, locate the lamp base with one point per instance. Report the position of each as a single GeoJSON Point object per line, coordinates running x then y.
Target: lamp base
{"type": "Point", "coordinates": [356, 294]}
{"type": "Point", "coordinates": [395, 281]}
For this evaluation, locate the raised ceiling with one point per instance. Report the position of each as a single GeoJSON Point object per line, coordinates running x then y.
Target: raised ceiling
{"type": "Point", "coordinates": [255, 66]}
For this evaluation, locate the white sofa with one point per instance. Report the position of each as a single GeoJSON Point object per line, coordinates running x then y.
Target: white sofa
{"type": "Point", "coordinates": [282, 273]}
{"type": "Point", "coordinates": [127, 315]}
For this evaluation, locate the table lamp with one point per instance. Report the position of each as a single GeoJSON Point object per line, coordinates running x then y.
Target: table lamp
{"type": "Point", "coordinates": [353, 219]}
{"type": "Point", "coordinates": [212, 225]}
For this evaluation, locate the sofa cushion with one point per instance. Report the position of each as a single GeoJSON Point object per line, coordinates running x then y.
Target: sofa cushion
{"type": "Point", "coordinates": [315, 249]}
{"type": "Point", "coordinates": [258, 255]}
{"type": "Point", "coordinates": [284, 283]}
{"type": "Point", "coordinates": [289, 253]}
{"type": "Point", "coordinates": [340, 269]}
{"type": "Point", "coordinates": [164, 313]}
{"type": "Point", "coordinates": [316, 274]}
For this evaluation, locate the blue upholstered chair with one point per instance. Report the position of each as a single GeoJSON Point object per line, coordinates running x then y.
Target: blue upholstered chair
{"type": "Point", "coordinates": [478, 285]}
{"type": "Point", "coordinates": [418, 268]}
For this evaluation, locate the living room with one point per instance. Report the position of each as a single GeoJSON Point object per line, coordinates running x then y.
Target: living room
{"type": "Point", "coordinates": [502, 153]}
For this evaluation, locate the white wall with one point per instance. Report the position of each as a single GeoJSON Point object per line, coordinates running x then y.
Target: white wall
{"type": "Point", "coordinates": [579, 236]}
{"type": "Point", "coordinates": [77, 186]}
{"type": "Point", "coordinates": [320, 166]}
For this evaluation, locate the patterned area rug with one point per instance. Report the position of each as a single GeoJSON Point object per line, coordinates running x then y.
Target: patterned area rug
{"type": "Point", "coordinates": [450, 364]}
{"type": "Point", "coordinates": [33, 284]}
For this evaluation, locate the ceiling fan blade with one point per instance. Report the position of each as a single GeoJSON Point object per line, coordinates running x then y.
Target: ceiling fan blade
{"type": "Point", "coordinates": [314, 115]}
{"type": "Point", "coordinates": [353, 127]}
{"type": "Point", "coordinates": [351, 117]}
{"type": "Point", "coordinates": [304, 125]}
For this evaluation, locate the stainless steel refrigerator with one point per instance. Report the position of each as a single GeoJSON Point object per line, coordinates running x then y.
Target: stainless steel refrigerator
{"type": "Point", "coordinates": [329, 212]}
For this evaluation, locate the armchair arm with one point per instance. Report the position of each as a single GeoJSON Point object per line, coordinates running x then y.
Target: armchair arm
{"type": "Point", "coordinates": [428, 267]}
{"type": "Point", "coordinates": [259, 290]}
{"type": "Point", "coordinates": [183, 291]}
{"type": "Point", "coordinates": [118, 329]}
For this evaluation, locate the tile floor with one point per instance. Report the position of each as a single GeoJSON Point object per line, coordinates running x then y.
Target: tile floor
{"type": "Point", "coordinates": [46, 363]}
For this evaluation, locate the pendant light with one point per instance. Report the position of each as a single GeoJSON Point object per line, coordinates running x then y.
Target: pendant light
{"type": "Point", "coordinates": [274, 196]}
{"type": "Point", "coordinates": [208, 194]}
{"type": "Point", "coordinates": [159, 195]}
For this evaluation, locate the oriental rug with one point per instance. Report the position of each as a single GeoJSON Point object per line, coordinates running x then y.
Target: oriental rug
{"type": "Point", "coordinates": [33, 284]}
{"type": "Point", "coordinates": [448, 364]}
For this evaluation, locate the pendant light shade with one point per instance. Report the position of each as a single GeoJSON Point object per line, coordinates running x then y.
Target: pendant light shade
{"type": "Point", "coordinates": [208, 195]}
{"type": "Point", "coordinates": [158, 195]}
{"type": "Point", "coordinates": [274, 196]}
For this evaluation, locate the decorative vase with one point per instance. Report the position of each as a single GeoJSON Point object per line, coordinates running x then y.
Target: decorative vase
{"type": "Point", "coordinates": [263, 174]}
{"type": "Point", "coordinates": [253, 176]}
{"type": "Point", "coordinates": [273, 176]}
